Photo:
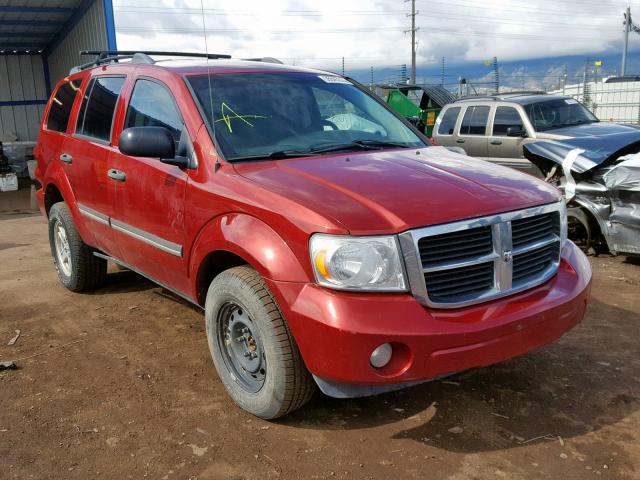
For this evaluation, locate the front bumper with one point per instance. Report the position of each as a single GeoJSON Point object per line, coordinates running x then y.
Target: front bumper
{"type": "Point", "coordinates": [337, 331]}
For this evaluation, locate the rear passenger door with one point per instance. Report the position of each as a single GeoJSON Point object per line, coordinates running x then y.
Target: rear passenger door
{"type": "Point", "coordinates": [473, 131]}
{"type": "Point", "coordinates": [85, 155]}
{"type": "Point", "coordinates": [149, 220]}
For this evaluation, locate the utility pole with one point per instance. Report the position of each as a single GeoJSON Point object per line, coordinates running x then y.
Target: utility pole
{"type": "Point", "coordinates": [371, 78]}
{"type": "Point", "coordinates": [627, 29]}
{"type": "Point", "coordinates": [496, 75]}
{"type": "Point", "coordinates": [413, 39]}
{"type": "Point", "coordinates": [442, 74]}
{"type": "Point", "coordinates": [343, 66]}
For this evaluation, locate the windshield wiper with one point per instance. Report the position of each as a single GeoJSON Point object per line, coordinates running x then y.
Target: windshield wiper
{"type": "Point", "coordinates": [275, 155]}
{"type": "Point", "coordinates": [358, 144]}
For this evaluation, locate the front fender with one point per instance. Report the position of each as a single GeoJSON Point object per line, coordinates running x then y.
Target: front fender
{"type": "Point", "coordinates": [252, 240]}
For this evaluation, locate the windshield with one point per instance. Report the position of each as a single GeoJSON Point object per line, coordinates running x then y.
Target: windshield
{"type": "Point", "coordinates": [271, 115]}
{"type": "Point", "coordinates": [558, 113]}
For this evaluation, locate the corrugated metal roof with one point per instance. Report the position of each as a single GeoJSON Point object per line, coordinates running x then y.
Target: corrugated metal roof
{"type": "Point", "coordinates": [32, 24]}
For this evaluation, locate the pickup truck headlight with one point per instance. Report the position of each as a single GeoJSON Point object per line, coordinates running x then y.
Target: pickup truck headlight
{"type": "Point", "coordinates": [564, 225]}
{"type": "Point", "coordinates": [358, 263]}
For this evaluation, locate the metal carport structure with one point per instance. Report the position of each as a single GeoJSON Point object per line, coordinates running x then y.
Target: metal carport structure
{"type": "Point", "coordinates": [39, 43]}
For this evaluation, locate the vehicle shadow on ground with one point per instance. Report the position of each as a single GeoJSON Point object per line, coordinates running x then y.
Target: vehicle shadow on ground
{"type": "Point", "coordinates": [125, 281]}
{"type": "Point", "coordinates": [567, 389]}
{"type": "Point", "coordinates": [128, 281]}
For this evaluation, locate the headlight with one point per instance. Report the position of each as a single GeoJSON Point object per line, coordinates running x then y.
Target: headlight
{"type": "Point", "coordinates": [357, 263]}
{"type": "Point", "coordinates": [564, 226]}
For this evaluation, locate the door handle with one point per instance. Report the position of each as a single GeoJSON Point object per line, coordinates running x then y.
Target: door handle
{"type": "Point", "coordinates": [460, 140]}
{"type": "Point", "coordinates": [117, 175]}
{"type": "Point", "coordinates": [66, 158]}
{"type": "Point", "coordinates": [496, 142]}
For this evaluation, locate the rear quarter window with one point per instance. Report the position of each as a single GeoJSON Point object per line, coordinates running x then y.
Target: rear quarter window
{"type": "Point", "coordinates": [448, 122]}
{"type": "Point", "coordinates": [61, 106]}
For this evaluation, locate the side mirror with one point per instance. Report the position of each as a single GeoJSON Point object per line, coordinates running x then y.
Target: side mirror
{"type": "Point", "coordinates": [516, 131]}
{"type": "Point", "coordinates": [149, 142]}
{"type": "Point", "coordinates": [414, 120]}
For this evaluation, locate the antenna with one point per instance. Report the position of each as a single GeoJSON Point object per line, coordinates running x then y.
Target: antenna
{"type": "Point", "coordinates": [213, 118]}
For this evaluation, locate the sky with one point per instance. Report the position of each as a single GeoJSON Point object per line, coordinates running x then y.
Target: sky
{"type": "Point", "coordinates": [373, 33]}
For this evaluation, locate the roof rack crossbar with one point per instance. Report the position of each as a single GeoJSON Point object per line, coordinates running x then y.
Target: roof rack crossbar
{"type": "Point", "coordinates": [137, 56]}
{"type": "Point", "coordinates": [500, 96]}
{"type": "Point", "coordinates": [212, 56]}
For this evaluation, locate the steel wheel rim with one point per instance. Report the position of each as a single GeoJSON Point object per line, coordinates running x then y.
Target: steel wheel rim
{"type": "Point", "coordinates": [63, 251]}
{"type": "Point", "coordinates": [241, 347]}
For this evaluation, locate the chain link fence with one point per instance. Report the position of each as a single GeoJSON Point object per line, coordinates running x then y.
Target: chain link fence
{"type": "Point", "coordinates": [613, 102]}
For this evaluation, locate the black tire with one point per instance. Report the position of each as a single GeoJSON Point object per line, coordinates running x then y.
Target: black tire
{"type": "Point", "coordinates": [284, 383]}
{"type": "Point", "coordinates": [82, 270]}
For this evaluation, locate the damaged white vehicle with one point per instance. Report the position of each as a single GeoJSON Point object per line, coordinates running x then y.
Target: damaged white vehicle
{"type": "Point", "coordinates": [600, 177]}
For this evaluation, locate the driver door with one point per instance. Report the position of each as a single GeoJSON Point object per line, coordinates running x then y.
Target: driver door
{"type": "Point", "coordinates": [149, 218]}
{"type": "Point", "coordinates": [504, 149]}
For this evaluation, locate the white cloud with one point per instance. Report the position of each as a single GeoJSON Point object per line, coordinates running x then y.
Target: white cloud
{"type": "Point", "coordinates": [372, 32]}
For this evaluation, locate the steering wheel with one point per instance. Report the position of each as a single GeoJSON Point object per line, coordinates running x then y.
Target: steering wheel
{"type": "Point", "coordinates": [329, 123]}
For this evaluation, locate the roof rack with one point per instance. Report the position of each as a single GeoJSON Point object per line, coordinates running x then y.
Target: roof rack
{"type": "Point", "coordinates": [500, 96]}
{"type": "Point", "coordinates": [136, 56]}
{"type": "Point", "coordinates": [264, 59]}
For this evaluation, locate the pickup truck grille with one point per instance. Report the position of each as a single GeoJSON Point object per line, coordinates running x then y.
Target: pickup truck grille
{"type": "Point", "coordinates": [468, 262]}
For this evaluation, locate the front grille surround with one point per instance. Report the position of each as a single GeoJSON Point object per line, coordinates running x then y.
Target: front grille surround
{"type": "Point", "coordinates": [526, 246]}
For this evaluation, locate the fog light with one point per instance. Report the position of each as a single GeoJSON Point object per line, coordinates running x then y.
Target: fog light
{"type": "Point", "coordinates": [381, 355]}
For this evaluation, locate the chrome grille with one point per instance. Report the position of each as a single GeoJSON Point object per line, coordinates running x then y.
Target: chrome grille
{"type": "Point", "coordinates": [468, 262]}
{"type": "Point", "coordinates": [531, 264]}
{"type": "Point", "coordinates": [533, 229]}
{"type": "Point", "coordinates": [450, 285]}
{"type": "Point", "coordinates": [455, 246]}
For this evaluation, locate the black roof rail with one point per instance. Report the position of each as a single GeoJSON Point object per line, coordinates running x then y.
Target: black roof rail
{"type": "Point", "coordinates": [137, 56]}
{"type": "Point", "coordinates": [500, 96]}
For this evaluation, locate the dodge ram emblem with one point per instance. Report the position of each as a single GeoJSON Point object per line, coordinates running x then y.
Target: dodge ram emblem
{"type": "Point", "coordinates": [507, 256]}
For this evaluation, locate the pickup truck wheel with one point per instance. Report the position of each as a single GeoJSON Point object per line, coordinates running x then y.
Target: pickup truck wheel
{"type": "Point", "coordinates": [253, 350]}
{"type": "Point", "coordinates": [78, 269]}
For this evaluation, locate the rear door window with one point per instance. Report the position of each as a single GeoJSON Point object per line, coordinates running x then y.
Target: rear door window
{"type": "Point", "coordinates": [61, 105]}
{"type": "Point", "coordinates": [97, 119]}
{"type": "Point", "coordinates": [506, 117]}
{"type": "Point", "coordinates": [448, 122]}
{"type": "Point", "coordinates": [475, 121]}
{"type": "Point", "coordinates": [152, 105]}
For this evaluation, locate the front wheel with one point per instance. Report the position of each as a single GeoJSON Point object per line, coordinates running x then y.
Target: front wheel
{"type": "Point", "coordinates": [253, 350]}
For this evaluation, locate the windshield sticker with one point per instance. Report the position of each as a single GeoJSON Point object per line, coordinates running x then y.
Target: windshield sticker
{"type": "Point", "coordinates": [229, 114]}
{"type": "Point", "coordinates": [333, 79]}
{"type": "Point", "coordinates": [570, 101]}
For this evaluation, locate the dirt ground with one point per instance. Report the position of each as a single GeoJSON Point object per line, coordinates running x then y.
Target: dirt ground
{"type": "Point", "coordinates": [119, 384]}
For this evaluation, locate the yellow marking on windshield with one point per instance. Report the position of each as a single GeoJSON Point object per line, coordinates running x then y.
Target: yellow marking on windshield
{"type": "Point", "coordinates": [226, 118]}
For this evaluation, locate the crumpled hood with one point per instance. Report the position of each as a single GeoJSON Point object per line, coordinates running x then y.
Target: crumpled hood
{"type": "Point", "coordinates": [590, 130]}
{"type": "Point", "coordinates": [395, 190]}
{"type": "Point", "coordinates": [594, 150]}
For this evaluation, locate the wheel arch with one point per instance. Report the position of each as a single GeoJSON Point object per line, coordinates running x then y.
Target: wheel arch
{"type": "Point", "coordinates": [237, 239]}
{"type": "Point", "coordinates": [52, 195]}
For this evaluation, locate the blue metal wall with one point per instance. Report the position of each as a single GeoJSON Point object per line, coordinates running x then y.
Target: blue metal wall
{"type": "Point", "coordinates": [23, 94]}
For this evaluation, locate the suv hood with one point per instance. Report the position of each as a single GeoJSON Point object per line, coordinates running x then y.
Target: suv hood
{"type": "Point", "coordinates": [395, 190]}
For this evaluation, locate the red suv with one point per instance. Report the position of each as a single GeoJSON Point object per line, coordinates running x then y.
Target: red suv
{"type": "Point", "coordinates": [327, 242]}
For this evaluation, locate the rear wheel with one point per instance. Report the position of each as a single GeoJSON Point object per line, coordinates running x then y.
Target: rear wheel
{"type": "Point", "coordinates": [253, 350]}
{"type": "Point", "coordinates": [78, 269]}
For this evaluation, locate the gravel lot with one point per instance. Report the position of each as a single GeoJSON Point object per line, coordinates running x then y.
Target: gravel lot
{"type": "Point", "coordinates": [119, 384]}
